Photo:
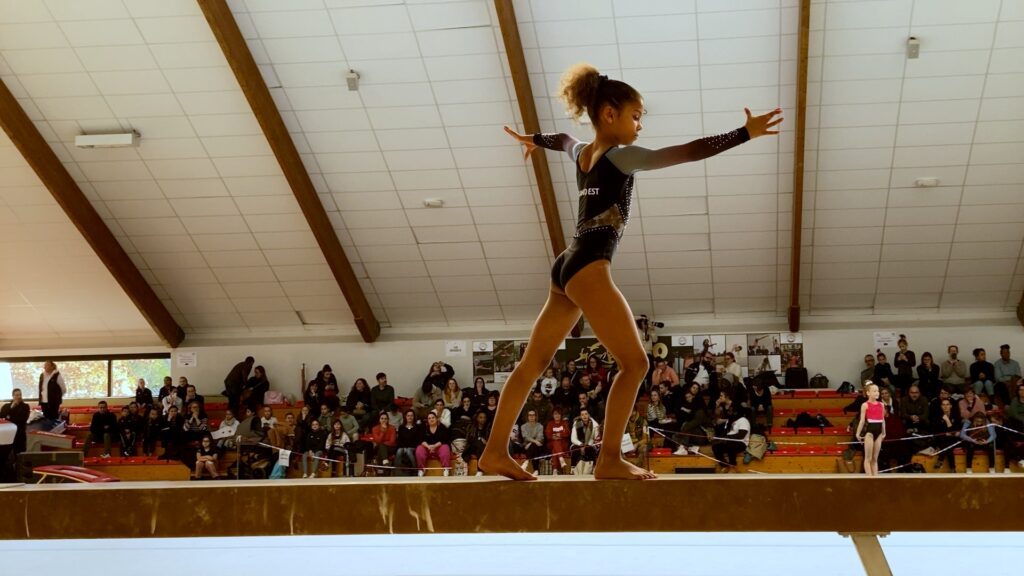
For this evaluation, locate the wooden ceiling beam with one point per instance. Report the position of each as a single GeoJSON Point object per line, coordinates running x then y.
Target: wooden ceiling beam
{"type": "Point", "coordinates": [222, 23]}
{"type": "Point", "coordinates": [803, 43]}
{"type": "Point", "coordinates": [26, 137]}
{"type": "Point", "coordinates": [531, 124]}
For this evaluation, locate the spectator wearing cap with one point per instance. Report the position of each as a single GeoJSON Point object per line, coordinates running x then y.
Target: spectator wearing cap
{"type": "Point", "coordinates": [1006, 370]}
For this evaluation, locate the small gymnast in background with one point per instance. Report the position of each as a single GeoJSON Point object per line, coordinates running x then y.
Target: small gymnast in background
{"type": "Point", "coordinates": [871, 428]}
{"type": "Point", "coordinates": [581, 279]}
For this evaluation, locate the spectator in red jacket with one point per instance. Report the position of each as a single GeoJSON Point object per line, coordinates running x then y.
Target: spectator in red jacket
{"type": "Point", "coordinates": [384, 440]}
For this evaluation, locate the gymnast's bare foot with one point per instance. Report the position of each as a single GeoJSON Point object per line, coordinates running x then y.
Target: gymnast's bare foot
{"type": "Point", "coordinates": [503, 465]}
{"type": "Point", "coordinates": [619, 469]}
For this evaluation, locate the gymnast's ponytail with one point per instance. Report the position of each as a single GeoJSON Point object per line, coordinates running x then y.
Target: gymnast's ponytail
{"type": "Point", "coordinates": [584, 89]}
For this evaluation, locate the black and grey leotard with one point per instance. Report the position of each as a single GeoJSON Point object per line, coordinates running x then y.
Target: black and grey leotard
{"type": "Point", "coordinates": [606, 191]}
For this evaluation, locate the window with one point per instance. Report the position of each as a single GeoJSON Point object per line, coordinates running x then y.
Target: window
{"type": "Point", "coordinates": [86, 377]}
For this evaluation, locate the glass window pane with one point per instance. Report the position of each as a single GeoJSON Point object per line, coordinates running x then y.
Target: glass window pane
{"type": "Point", "coordinates": [24, 375]}
{"type": "Point", "coordinates": [84, 378]}
{"type": "Point", "coordinates": [125, 373]}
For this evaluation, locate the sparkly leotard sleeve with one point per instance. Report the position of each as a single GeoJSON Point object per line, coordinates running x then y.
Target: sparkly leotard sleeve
{"type": "Point", "coordinates": [606, 191]}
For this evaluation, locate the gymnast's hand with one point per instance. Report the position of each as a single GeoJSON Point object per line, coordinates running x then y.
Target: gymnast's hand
{"type": "Point", "coordinates": [759, 125]}
{"type": "Point", "coordinates": [526, 141]}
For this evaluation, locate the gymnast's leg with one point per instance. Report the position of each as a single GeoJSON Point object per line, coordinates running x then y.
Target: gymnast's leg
{"type": "Point", "coordinates": [552, 326]}
{"type": "Point", "coordinates": [609, 315]}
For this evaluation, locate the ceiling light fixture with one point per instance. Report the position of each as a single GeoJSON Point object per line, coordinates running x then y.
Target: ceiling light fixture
{"type": "Point", "coordinates": [123, 140]}
{"type": "Point", "coordinates": [352, 79]}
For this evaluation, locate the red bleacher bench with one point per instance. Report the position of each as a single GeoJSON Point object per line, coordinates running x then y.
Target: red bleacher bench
{"type": "Point", "coordinates": [661, 452]}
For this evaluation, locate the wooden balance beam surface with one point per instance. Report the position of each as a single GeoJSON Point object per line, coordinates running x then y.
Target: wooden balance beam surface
{"type": "Point", "coordinates": [841, 503]}
{"type": "Point", "coordinates": [145, 472]}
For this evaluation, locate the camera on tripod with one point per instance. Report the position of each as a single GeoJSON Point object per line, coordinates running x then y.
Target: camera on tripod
{"type": "Point", "coordinates": [642, 323]}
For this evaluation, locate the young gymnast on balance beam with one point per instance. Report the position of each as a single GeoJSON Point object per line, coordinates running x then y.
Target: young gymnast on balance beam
{"type": "Point", "coordinates": [581, 279]}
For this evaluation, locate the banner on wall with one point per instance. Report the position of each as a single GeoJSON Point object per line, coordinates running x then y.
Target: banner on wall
{"type": "Point", "coordinates": [453, 348]}
{"type": "Point", "coordinates": [187, 359]}
{"type": "Point", "coordinates": [885, 340]}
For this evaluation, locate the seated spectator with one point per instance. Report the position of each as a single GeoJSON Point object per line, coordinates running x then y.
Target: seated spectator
{"type": "Point", "coordinates": [358, 403]}
{"type": "Point", "coordinates": [267, 422]}
{"type": "Point", "coordinates": [1015, 409]}
{"type": "Point", "coordinates": [928, 379]}
{"type": "Point", "coordinates": [730, 368]}
{"type": "Point", "coordinates": [1006, 371]}
{"type": "Point", "coordinates": [407, 438]}
{"type": "Point", "coordinates": [639, 435]}
{"type": "Point", "coordinates": [191, 396]}
{"type": "Point", "coordinates": [982, 374]}
{"type": "Point", "coordinates": [313, 444]}
{"type": "Point", "coordinates": [330, 389]}
{"type": "Point", "coordinates": [167, 388]}
{"type": "Point", "coordinates": [127, 428]}
{"type": "Point", "coordinates": [143, 395]}
{"type": "Point", "coordinates": [172, 434]}
{"type": "Point", "coordinates": [883, 373]}
{"type": "Point", "coordinates": [691, 416]}
{"type": "Point", "coordinates": [761, 402]}
{"type": "Point", "coordinates": [452, 394]}
{"type": "Point", "coordinates": [585, 435]}
{"type": "Point", "coordinates": [914, 411]}
{"type": "Point", "coordinates": [903, 364]}
{"type": "Point", "coordinates": [424, 397]}
{"type": "Point", "coordinates": [227, 430]}
{"type": "Point", "coordinates": [103, 428]}
{"type": "Point", "coordinates": [515, 444]}
{"type": "Point", "coordinates": [598, 373]}
{"type": "Point", "coordinates": [283, 435]}
{"type": "Point", "coordinates": [733, 442]}
{"type": "Point", "coordinates": [182, 389]}
{"type": "Point", "coordinates": [979, 434]}
{"type": "Point", "coordinates": [337, 446]}
{"type": "Point", "coordinates": [478, 393]}
{"type": "Point", "coordinates": [444, 415]}
{"type": "Point", "coordinates": [477, 434]}
{"type": "Point", "coordinates": [935, 406]}
{"type": "Point", "coordinates": [171, 400]}
{"type": "Point", "coordinates": [151, 431]}
{"type": "Point", "coordinates": [954, 371]}
{"type": "Point", "coordinates": [491, 406]}
{"type": "Point", "coordinates": [358, 445]}
{"type": "Point", "coordinates": [970, 405]}
{"type": "Point", "coordinates": [565, 396]}
{"type": "Point", "coordinates": [573, 374]}
{"type": "Point", "coordinates": [394, 415]}
{"type": "Point", "coordinates": [658, 415]}
{"type": "Point", "coordinates": [196, 425]}
{"type": "Point", "coordinates": [250, 429]}
{"type": "Point", "coordinates": [548, 383]}
{"type": "Point", "coordinates": [326, 417]}
{"type": "Point", "coordinates": [434, 442]}
{"type": "Point", "coordinates": [384, 440]}
{"type": "Point", "coordinates": [383, 396]}
{"type": "Point", "coordinates": [17, 412]}
{"type": "Point", "coordinates": [868, 373]}
{"type": "Point", "coordinates": [206, 458]}
{"type": "Point", "coordinates": [557, 433]}
{"type": "Point", "coordinates": [463, 412]}
{"type": "Point", "coordinates": [946, 427]}
{"type": "Point", "coordinates": [540, 405]}
{"type": "Point", "coordinates": [255, 388]}
{"type": "Point", "coordinates": [532, 433]}
{"type": "Point", "coordinates": [312, 396]}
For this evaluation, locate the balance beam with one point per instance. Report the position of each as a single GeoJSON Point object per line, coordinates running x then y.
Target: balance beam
{"type": "Point", "coordinates": [912, 502]}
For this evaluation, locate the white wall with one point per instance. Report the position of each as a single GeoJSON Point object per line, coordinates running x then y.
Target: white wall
{"type": "Point", "coordinates": [836, 353]}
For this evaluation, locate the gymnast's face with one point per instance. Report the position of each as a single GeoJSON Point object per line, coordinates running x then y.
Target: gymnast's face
{"type": "Point", "coordinates": [623, 124]}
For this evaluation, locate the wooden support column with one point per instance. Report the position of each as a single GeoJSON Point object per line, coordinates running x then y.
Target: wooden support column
{"type": "Point", "coordinates": [870, 551]}
{"type": "Point", "coordinates": [224, 27]}
{"type": "Point", "coordinates": [531, 124]}
{"type": "Point", "coordinates": [803, 42]}
{"type": "Point", "coordinates": [65, 191]}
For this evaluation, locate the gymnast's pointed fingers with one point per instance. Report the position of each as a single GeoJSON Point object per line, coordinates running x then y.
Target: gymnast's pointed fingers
{"type": "Point", "coordinates": [775, 123]}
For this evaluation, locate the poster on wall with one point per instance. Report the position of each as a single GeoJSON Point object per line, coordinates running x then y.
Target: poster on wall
{"type": "Point", "coordinates": [187, 359]}
{"type": "Point", "coordinates": [764, 353]}
{"type": "Point", "coordinates": [885, 340]}
{"type": "Point", "coordinates": [483, 360]}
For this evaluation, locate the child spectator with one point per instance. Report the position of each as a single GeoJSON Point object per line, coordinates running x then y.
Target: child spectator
{"type": "Point", "coordinates": [151, 431]}
{"type": "Point", "coordinates": [196, 425]}
{"type": "Point", "coordinates": [336, 446]}
{"type": "Point", "coordinates": [206, 458]}
{"type": "Point", "coordinates": [127, 429]}
{"type": "Point", "coordinates": [434, 442]}
{"type": "Point", "coordinates": [548, 384]}
{"type": "Point", "coordinates": [557, 432]}
{"type": "Point", "coordinates": [313, 444]}
{"type": "Point", "coordinates": [103, 429]}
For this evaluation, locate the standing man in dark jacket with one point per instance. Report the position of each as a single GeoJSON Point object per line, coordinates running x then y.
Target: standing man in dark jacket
{"type": "Point", "coordinates": [382, 396]}
{"type": "Point", "coordinates": [235, 381]}
{"type": "Point", "coordinates": [51, 390]}
{"type": "Point", "coordinates": [16, 412]}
